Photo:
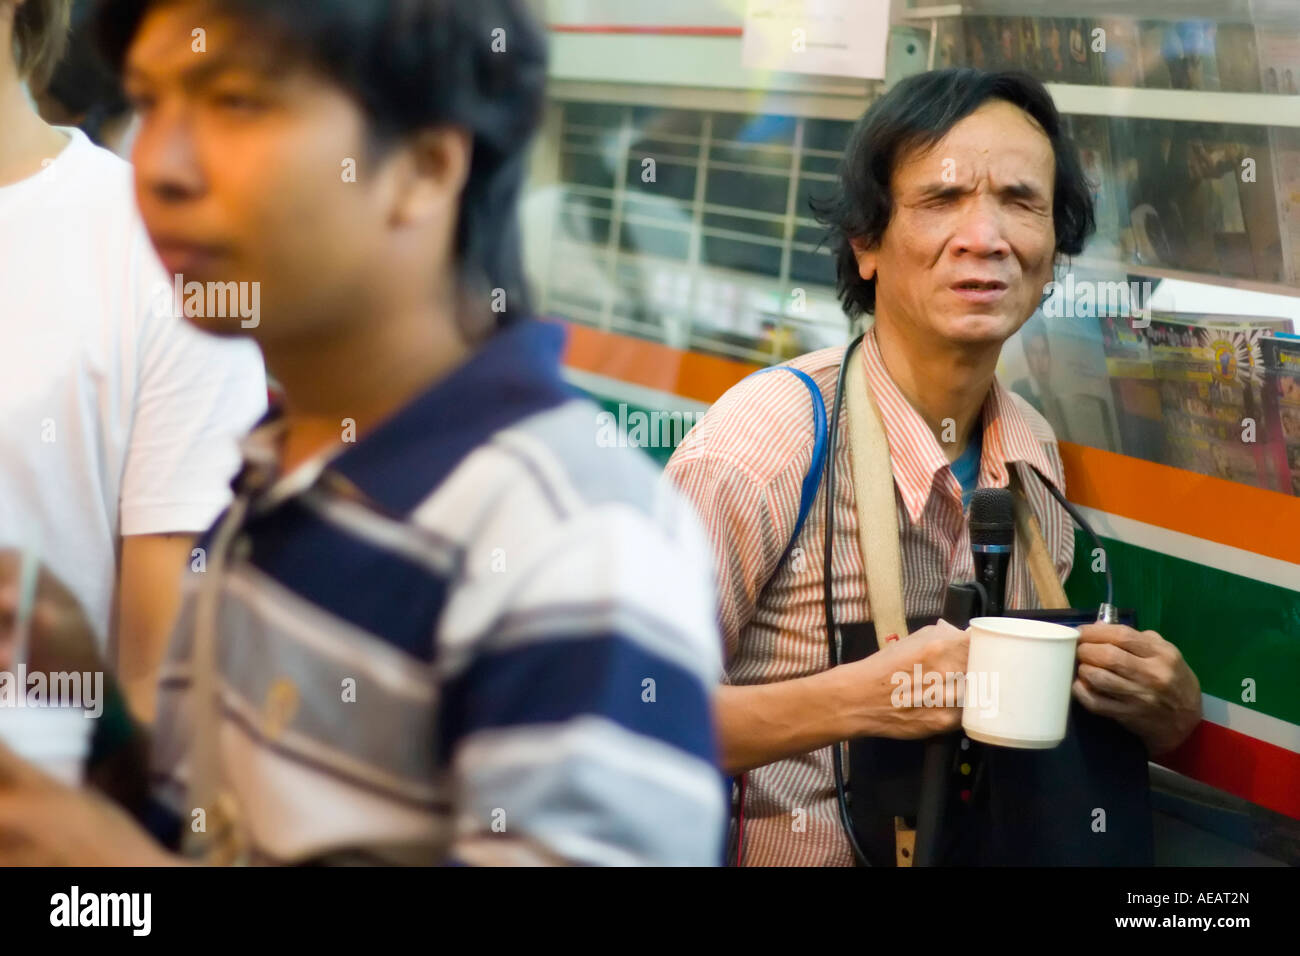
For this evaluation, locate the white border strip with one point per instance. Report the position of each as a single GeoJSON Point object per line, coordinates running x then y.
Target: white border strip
{"type": "Point", "coordinates": [1223, 557]}
{"type": "Point", "coordinates": [1252, 723]}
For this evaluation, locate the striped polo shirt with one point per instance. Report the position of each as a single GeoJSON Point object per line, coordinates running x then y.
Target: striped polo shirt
{"type": "Point", "coordinates": [474, 635]}
{"type": "Point", "coordinates": [743, 465]}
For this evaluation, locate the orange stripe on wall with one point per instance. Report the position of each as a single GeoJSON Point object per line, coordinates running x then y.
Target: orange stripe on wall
{"type": "Point", "coordinates": [1253, 519]}
{"type": "Point", "coordinates": [638, 362]}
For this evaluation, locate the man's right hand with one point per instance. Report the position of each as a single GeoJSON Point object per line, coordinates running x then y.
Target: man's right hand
{"type": "Point", "coordinates": [60, 637]}
{"type": "Point", "coordinates": [939, 649]}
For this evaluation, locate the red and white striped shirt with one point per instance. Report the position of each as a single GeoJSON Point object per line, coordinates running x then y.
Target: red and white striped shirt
{"type": "Point", "coordinates": [743, 466]}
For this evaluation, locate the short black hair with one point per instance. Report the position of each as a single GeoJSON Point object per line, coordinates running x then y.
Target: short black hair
{"type": "Point", "coordinates": [414, 64]}
{"type": "Point", "coordinates": [918, 112]}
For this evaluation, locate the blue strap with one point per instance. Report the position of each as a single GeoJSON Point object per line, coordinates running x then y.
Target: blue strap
{"type": "Point", "coordinates": [811, 481]}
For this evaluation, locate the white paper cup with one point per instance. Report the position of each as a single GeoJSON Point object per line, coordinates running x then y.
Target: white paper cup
{"type": "Point", "coordinates": [1018, 678]}
{"type": "Point", "coordinates": [56, 739]}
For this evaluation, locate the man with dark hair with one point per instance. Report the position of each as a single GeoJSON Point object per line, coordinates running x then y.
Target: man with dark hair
{"type": "Point", "coordinates": [958, 192]}
{"type": "Point", "coordinates": [431, 627]}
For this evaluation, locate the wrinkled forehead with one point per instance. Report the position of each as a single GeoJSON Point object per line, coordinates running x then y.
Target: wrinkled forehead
{"type": "Point", "coordinates": [998, 139]}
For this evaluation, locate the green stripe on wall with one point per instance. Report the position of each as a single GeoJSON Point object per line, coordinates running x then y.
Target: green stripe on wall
{"type": "Point", "coordinates": [1228, 627]}
{"type": "Point", "coordinates": [660, 454]}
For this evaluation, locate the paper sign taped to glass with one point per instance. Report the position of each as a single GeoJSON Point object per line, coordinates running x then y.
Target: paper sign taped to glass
{"type": "Point", "coordinates": [829, 37]}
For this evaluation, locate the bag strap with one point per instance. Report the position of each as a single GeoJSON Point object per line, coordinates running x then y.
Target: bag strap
{"type": "Point", "coordinates": [812, 480]}
{"type": "Point", "coordinates": [873, 494]}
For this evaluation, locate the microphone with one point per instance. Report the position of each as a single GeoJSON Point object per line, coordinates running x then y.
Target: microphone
{"type": "Point", "coordinates": [992, 536]}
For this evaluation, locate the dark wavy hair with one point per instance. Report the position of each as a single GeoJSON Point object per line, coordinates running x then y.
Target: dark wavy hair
{"type": "Point", "coordinates": [914, 114]}
{"type": "Point", "coordinates": [414, 64]}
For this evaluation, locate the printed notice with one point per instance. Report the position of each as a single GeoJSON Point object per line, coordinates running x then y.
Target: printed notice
{"type": "Point", "coordinates": [831, 37]}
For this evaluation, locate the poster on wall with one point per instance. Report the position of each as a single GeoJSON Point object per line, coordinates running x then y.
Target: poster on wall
{"type": "Point", "coordinates": [826, 37]}
{"type": "Point", "coordinates": [1056, 363]}
{"type": "Point", "coordinates": [1281, 360]}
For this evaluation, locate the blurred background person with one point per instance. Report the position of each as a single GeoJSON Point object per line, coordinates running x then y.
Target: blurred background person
{"type": "Point", "coordinates": [117, 419]}
{"type": "Point", "coordinates": [84, 93]}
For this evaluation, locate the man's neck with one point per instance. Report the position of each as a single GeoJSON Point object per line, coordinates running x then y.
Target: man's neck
{"type": "Point", "coordinates": [28, 141]}
{"type": "Point", "coordinates": [361, 376]}
{"type": "Point", "coordinates": [947, 384]}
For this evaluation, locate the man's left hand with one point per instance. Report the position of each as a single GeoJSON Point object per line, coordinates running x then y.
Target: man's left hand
{"type": "Point", "coordinates": [1139, 679]}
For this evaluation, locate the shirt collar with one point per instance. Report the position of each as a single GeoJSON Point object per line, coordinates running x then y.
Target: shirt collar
{"type": "Point", "coordinates": [514, 374]}
{"type": "Point", "coordinates": [915, 453]}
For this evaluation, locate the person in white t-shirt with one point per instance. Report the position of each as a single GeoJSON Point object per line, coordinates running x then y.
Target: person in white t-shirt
{"type": "Point", "coordinates": [118, 420]}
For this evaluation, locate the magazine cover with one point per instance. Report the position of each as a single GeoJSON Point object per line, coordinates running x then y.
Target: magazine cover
{"type": "Point", "coordinates": [1155, 68]}
{"type": "Point", "coordinates": [1179, 55]}
{"type": "Point", "coordinates": [1121, 63]}
{"type": "Point", "coordinates": [1005, 54]}
{"type": "Point", "coordinates": [1281, 356]}
{"type": "Point", "coordinates": [981, 42]}
{"type": "Point", "coordinates": [1123, 136]}
{"type": "Point", "coordinates": [1210, 373]}
{"type": "Point", "coordinates": [1256, 185]}
{"type": "Point", "coordinates": [1084, 65]}
{"type": "Point", "coordinates": [949, 43]}
{"type": "Point", "coordinates": [1279, 59]}
{"type": "Point", "coordinates": [1091, 135]}
{"type": "Point", "coordinates": [1189, 201]}
{"type": "Point", "coordinates": [1056, 363]}
{"type": "Point", "coordinates": [1134, 390]}
{"type": "Point", "coordinates": [1286, 179]}
{"type": "Point", "coordinates": [1056, 63]}
{"type": "Point", "coordinates": [1031, 46]}
{"type": "Point", "coordinates": [1238, 58]}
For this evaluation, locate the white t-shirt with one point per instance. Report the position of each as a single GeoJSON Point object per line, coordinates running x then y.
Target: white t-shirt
{"type": "Point", "coordinates": [116, 417]}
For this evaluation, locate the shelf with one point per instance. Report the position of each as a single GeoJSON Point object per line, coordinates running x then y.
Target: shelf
{"type": "Point", "coordinates": [1190, 106]}
{"type": "Point", "coordinates": [1259, 12]}
{"type": "Point", "coordinates": [1115, 266]}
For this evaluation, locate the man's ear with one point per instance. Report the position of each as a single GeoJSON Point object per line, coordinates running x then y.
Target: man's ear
{"type": "Point", "coordinates": [433, 174]}
{"type": "Point", "coordinates": [866, 256]}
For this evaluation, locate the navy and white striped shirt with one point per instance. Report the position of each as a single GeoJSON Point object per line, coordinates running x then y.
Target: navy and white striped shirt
{"type": "Point", "coordinates": [473, 635]}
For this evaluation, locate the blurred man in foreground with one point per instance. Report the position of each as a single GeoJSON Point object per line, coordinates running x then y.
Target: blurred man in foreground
{"type": "Point", "coordinates": [431, 628]}
{"type": "Point", "coordinates": [118, 421]}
